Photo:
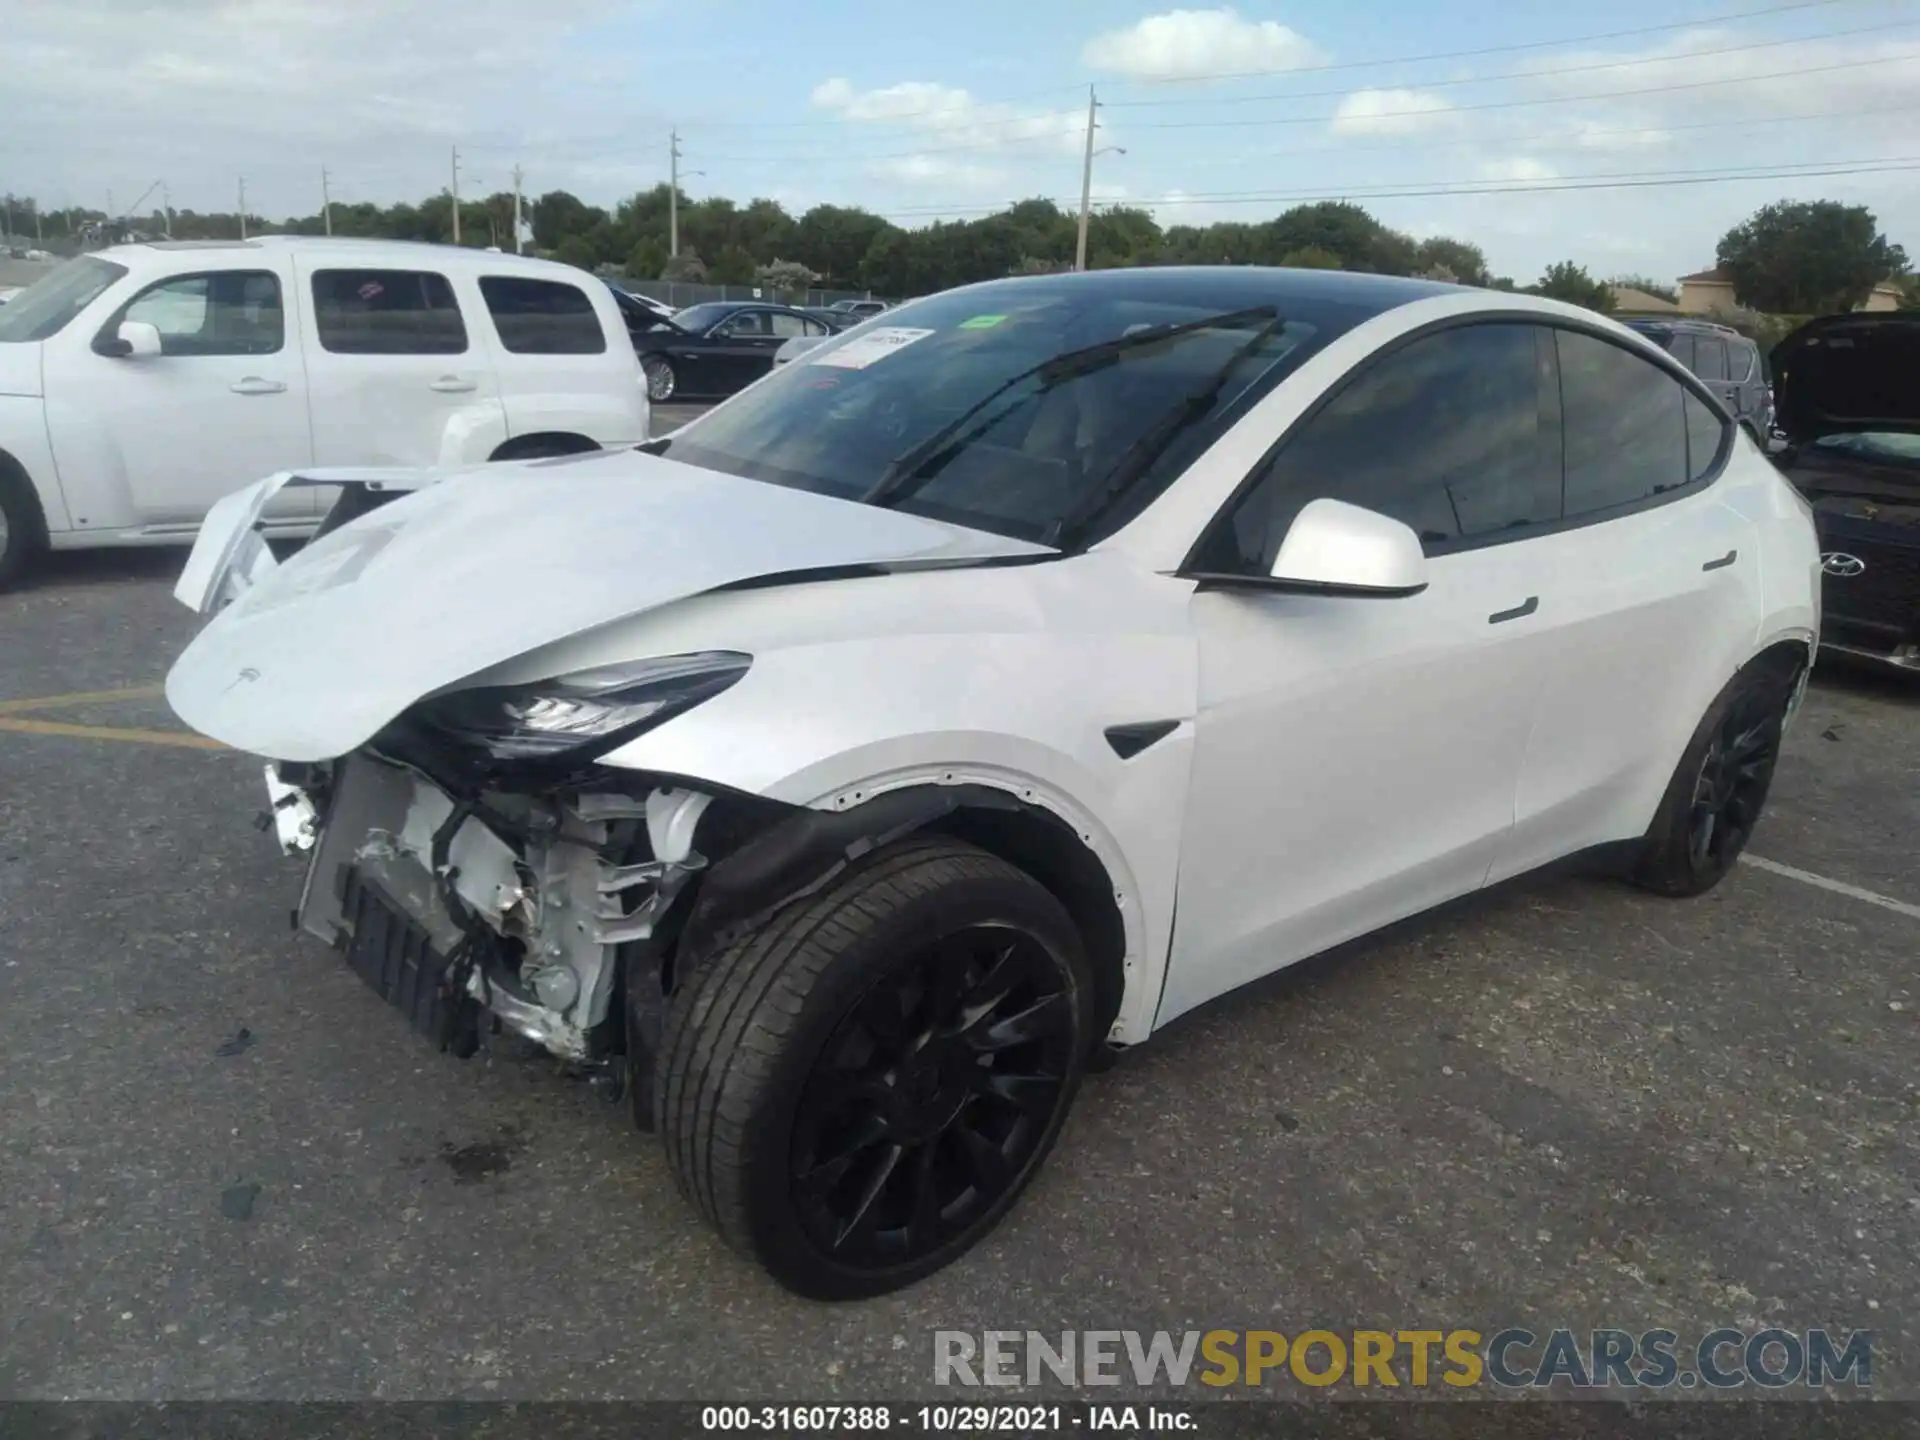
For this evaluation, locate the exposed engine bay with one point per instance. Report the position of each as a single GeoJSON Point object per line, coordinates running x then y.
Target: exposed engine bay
{"type": "Point", "coordinates": [508, 904]}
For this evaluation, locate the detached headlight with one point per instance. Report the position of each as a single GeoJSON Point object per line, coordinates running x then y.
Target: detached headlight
{"type": "Point", "coordinates": [589, 710]}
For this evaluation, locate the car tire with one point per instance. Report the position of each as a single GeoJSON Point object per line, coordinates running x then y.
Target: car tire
{"type": "Point", "coordinates": [22, 536]}
{"type": "Point", "coordinates": [1716, 795]}
{"type": "Point", "coordinates": [661, 379]}
{"type": "Point", "coordinates": [857, 1091]}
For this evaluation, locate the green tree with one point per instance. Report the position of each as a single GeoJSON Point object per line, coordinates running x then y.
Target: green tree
{"type": "Point", "coordinates": [646, 260]}
{"type": "Point", "coordinates": [1464, 263]}
{"type": "Point", "coordinates": [1571, 283]}
{"type": "Point", "coordinates": [789, 277]}
{"type": "Point", "coordinates": [832, 240]}
{"type": "Point", "coordinates": [686, 268]}
{"type": "Point", "coordinates": [1813, 257]}
{"type": "Point", "coordinates": [575, 250]}
{"type": "Point", "coordinates": [1311, 257]}
{"type": "Point", "coordinates": [558, 214]}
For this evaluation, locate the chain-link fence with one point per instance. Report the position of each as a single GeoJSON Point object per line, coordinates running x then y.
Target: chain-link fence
{"type": "Point", "coordinates": [678, 293]}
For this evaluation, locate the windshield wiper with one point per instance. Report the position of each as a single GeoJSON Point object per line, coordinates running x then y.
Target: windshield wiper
{"type": "Point", "coordinates": [1138, 457]}
{"type": "Point", "coordinates": [909, 465]}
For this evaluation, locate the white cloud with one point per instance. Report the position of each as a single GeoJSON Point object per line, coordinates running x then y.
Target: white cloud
{"type": "Point", "coordinates": [1184, 44]}
{"type": "Point", "coordinates": [937, 170]}
{"type": "Point", "coordinates": [954, 113]}
{"type": "Point", "coordinates": [1393, 112]}
{"type": "Point", "coordinates": [115, 93]}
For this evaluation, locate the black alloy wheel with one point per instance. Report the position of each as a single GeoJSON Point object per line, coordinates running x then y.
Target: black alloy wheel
{"type": "Point", "coordinates": [1733, 780]}
{"type": "Point", "coordinates": [1720, 787]}
{"type": "Point", "coordinates": [857, 1090]}
{"type": "Point", "coordinates": [932, 1096]}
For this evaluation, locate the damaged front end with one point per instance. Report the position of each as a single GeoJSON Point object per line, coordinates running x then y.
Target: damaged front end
{"type": "Point", "coordinates": [494, 905]}
{"type": "Point", "coordinates": [482, 873]}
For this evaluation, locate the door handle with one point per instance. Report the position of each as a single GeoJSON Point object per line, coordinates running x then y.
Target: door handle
{"type": "Point", "coordinates": [255, 385]}
{"type": "Point", "coordinates": [1519, 612]}
{"type": "Point", "coordinates": [453, 385]}
{"type": "Point", "coordinates": [1722, 563]}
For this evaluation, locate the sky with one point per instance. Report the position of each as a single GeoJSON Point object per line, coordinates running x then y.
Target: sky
{"type": "Point", "coordinates": [1459, 117]}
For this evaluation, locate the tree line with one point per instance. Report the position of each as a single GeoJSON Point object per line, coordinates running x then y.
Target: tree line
{"type": "Point", "coordinates": [1799, 257]}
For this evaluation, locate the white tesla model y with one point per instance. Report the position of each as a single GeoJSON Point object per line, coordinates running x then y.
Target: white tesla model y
{"type": "Point", "coordinates": [848, 771]}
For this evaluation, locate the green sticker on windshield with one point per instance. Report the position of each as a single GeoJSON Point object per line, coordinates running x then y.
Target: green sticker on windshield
{"type": "Point", "coordinates": [982, 322]}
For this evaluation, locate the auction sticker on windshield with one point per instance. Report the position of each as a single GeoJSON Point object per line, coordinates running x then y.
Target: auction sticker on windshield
{"type": "Point", "coordinates": [862, 350]}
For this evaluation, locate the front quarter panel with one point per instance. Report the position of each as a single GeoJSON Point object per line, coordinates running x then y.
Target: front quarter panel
{"type": "Point", "coordinates": [1005, 677]}
{"type": "Point", "coordinates": [23, 435]}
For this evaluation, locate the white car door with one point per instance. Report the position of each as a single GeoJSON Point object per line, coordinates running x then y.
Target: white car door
{"type": "Point", "coordinates": [1654, 599]}
{"type": "Point", "coordinates": [402, 371]}
{"type": "Point", "coordinates": [1356, 758]}
{"type": "Point", "coordinates": [154, 440]}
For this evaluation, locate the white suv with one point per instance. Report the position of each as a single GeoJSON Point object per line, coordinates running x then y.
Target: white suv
{"type": "Point", "coordinates": [141, 383]}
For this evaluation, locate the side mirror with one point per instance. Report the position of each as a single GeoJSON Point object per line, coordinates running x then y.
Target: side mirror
{"type": "Point", "coordinates": [136, 339]}
{"type": "Point", "coordinates": [1334, 548]}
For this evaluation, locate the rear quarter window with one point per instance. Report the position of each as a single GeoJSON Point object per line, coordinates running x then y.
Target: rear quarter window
{"type": "Point", "coordinates": [542, 317]}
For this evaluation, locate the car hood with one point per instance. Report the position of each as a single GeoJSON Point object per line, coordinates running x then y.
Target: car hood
{"type": "Point", "coordinates": [20, 368]}
{"type": "Point", "coordinates": [490, 563]}
{"type": "Point", "coordinates": [1848, 374]}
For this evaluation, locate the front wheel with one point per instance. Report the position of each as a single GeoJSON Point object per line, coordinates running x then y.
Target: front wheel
{"type": "Point", "coordinates": [858, 1091]}
{"type": "Point", "coordinates": [661, 380]}
{"type": "Point", "coordinates": [1716, 794]}
{"type": "Point", "coordinates": [20, 532]}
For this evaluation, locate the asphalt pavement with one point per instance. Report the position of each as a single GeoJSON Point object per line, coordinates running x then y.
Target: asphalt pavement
{"type": "Point", "coordinates": [227, 1170]}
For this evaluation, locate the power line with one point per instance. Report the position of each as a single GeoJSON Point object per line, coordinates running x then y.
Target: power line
{"type": "Point", "coordinates": [1623, 180]}
{"type": "Point", "coordinates": [1678, 57]}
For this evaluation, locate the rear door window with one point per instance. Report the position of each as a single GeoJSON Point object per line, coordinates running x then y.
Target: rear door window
{"type": "Point", "coordinates": [387, 312]}
{"type": "Point", "coordinates": [1681, 348]}
{"type": "Point", "coordinates": [542, 317]}
{"type": "Point", "coordinates": [1742, 360]}
{"type": "Point", "coordinates": [1710, 358]}
{"type": "Point", "coordinates": [1626, 426]}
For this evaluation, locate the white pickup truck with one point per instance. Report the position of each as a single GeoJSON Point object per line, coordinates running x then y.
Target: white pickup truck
{"type": "Point", "coordinates": [142, 383]}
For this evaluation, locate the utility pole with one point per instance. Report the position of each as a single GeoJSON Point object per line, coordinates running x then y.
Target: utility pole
{"type": "Point", "coordinates": [243, 207]}
{"type": "Point", "coordinates": [38, 238]}
{"type": "Point", "coordinates": [7, 233]}
{"type": "Point", "coordinates": [326, 202]}
{"type": "Point", "coordinates": [166, 208]}
{"type": "Point", "coordinates": [673, 193]}
{"type": "Point", "coordinates": [456, 194]}
{"type": "Point", "coordinates": [517, 249]}
{"type": "Point", "coordinates": [1086, 184]}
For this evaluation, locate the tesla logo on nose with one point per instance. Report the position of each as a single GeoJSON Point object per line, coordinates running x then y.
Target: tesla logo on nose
{"type": "Point", "coordinates": [1834, 562]}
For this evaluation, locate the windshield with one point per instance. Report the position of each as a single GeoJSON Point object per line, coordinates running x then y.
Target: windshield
{"type": "Point", "coordinates": [45, 307]}
{"type": "Point", "coordinates": [699, 318]}
{"type": "Point", "coordinates": [1875, 445]}
{"type": "Point", "coordinates": [957, 389]}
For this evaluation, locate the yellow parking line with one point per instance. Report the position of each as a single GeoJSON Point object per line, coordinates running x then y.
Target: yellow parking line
{"type": "Point", "coordinates": [84, 697]}
{"type": "Point", "coordinates": [110, 732]}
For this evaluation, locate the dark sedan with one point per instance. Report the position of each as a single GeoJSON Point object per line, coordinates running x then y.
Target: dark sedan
{"type": "Point", "coordinates": [706, 352]}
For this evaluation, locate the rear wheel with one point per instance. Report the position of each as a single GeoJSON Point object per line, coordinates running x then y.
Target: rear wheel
{"type": "Point", "coordinates": [661, 379]}
{"type": "Point", "coordinates": [1716, 795]}
{"type": "Point", "coordinates": [857, 1092]}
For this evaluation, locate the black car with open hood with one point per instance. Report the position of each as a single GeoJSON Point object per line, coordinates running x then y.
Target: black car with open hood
{"type": "Point", "coordinates": [1847, 397]}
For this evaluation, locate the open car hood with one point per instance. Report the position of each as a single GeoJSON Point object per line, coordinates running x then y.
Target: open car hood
{"type": "Point", "coordinates": [1848, 375]}
{"type": "Point", "coordinates": [316, 655]}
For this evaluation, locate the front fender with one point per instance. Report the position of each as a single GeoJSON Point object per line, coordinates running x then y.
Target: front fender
{"type": "Point", "coordinates": [23, 435]}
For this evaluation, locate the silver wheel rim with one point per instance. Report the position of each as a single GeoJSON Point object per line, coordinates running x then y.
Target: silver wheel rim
{"type": "Point", "coordinates": [659, 380]}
